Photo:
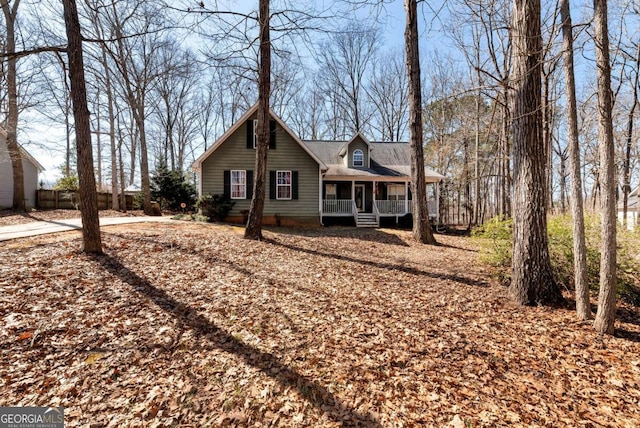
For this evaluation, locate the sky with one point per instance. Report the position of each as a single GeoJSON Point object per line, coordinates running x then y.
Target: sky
{"type": "Point", "coordinates": [46, 143]}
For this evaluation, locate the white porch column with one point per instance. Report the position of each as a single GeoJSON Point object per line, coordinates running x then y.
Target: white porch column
{"type": "Point", "coordinates": [406, 197]}
{"type": "Point", "coordinates": [374, 191]}
{"type": "Point", "coordinates": [437, 202]}
{"type": "Point", "coordinates": [320, 191]}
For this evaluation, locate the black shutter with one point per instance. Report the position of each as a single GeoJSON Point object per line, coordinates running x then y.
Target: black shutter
{"type": "Point", "coordinates": [294, 184]}
{"type": "Point", "coordinates": [250, 134]}
{"type": "Point", "coordinates": [227, 183]}
{"type": "Point", "coordinates": [272, 184]}
{"type": "Point", "coordinates": [249, 184]}
{"type": "Point", "coordinates": [272, 134]}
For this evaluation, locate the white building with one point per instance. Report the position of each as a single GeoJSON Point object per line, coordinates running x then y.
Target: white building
{"type": "Point", "coordinates": [31, 169]}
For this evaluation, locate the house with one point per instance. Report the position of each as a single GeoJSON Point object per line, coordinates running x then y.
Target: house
{"type": "Point", "coordinates": [310, 182]}
{"type": "Point", "coordinates": [31, 169]}
{"type": "Point", "coordinates": [632, 210]}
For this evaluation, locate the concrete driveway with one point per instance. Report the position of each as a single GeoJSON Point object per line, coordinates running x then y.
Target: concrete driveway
{"type": "Point", "coordinates": [54, 226]}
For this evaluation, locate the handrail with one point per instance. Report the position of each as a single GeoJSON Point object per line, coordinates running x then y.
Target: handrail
{"type": "Point", "coordinates": [376, 212]}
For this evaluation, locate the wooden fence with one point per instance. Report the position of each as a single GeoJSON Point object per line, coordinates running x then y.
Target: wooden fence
{"type": "Point", "coordinates": [62, 199]}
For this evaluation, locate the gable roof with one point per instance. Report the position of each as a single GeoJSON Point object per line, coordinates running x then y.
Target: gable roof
{"type": "Point", "coordinates": [387, 160]}
{"type": "Point", "coordinates": [25, 154]}
{"type": "Point", "coordinates": [198, 162]}
{"type": "Point", "coordinates": [345, 147]}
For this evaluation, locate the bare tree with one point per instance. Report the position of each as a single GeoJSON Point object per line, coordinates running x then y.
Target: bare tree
{"type": "Point", "coordinates": [606, 315]}
{"type": "Point", "coordinates": [532, 281]}
{"type": "Point", "coordinates": [92, 242]}
{"type": "Point", "coordinates": [387, 92]}
{"type": "Point", "coordinates": [345, 61]}
{"type": "Point", "coordinates": [10, 12]}
{"type": "Point", "coordinates": [253, 229]}
{"type": "Point", "coordinates": [136, 65]}
{"type": "Point", "coordinates": [307, 122]}
{"type": "Point", "coordinates": [583, 306]}
{"type": "Point", "coordinates": [626, 175]}
{"type": "Point", "coordinates": [421, 228]}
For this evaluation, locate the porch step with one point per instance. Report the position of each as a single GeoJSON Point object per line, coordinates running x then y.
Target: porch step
{"type": "Point", "coordinates": [366, 220]}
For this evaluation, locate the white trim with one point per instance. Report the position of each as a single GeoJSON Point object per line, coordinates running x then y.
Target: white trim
{"type": "Point", "coordinates": [353, 158]}
{"type": "Point", "coordinates": [255, 133]}
{"type": "Point", "coordinates": [231, 184]}
{"type": "Point", "coordinates": [320, 183]}
{"type": "Point", "coordinates": [290, 185]}
{"type": "Point", "coordinates": [406, 196]}
{"type": "Point", "coordinates": [400, 179]}
{"type": "Point", "coordinates": [23, 152]}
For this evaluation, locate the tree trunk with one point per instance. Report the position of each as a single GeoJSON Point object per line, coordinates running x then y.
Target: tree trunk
{"type": "Point", "coordinates": [253, 229]}
{"type": "Point", "coordinates": [10, 12]}
{"type": "Point", "coordinates": [87, 191]}
{"type": "Point", "coordinates": [626, 187]}
{"type": "Point", "coordinates": [532, 280]}
{"type": "Point", "coordinates": [606, 315]}
{"type": "Point", "coordinates": [421, 228]}
{"type": "Point", "coordinates": [112, 136]}
{"type": "Point", "coordinates": [583, 306]}
{"type": "Point", "coordinates": [144, 163]}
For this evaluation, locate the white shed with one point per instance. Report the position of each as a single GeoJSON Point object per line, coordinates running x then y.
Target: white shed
{"type": "Point", "coordinates": [31, 169]}
{"type": "Point", "coordinates": [632, 210]}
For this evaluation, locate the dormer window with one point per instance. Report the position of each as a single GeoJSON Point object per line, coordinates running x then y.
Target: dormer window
{"type": "Point", "coordinates": [358, 158]}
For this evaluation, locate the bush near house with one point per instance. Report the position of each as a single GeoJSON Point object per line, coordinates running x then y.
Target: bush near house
{"type": "Point", "coordinates": [495, 240]}
{"type": "Point", "coordinates": [214, 207]}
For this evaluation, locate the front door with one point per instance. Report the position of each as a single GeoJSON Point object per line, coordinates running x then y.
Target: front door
{"type": "Point", "coordinates": [359, 197]}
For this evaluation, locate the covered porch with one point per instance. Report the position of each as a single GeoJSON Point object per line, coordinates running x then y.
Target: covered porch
{"type": "Point", "coordinates": [368, 201]}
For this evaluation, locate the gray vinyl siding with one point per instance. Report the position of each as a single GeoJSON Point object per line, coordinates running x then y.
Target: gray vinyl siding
{"type": "Point", "coordinates": [358, 144]}
{"type": "Point", "coordinates": [6, 178]}
{"type": "Point", "coordinates": [30, 182]}
{"type": "Point", "coordinates": [287, 156]}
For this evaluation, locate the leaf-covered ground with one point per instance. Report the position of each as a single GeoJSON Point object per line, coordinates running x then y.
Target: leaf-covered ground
{"type": "Point", "coordinates": [190, 325]}
{"type": "Point", "coordinates": [9, 217]}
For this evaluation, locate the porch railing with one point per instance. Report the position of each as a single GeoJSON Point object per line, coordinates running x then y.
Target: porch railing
{"type": "Point", "coordinates": [337, 206]}
{"type": "Point", "coordinates": [391, 207]}
{"type": "Point", "coordinates": [383, 207]}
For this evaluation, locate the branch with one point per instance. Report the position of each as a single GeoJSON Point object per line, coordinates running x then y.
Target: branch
{"type": "Point", "coordinates": [28, 52]}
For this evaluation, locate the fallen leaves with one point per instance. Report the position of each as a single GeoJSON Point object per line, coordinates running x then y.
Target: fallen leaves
{"type": "Point", "coordinates": [25, 335]}
{"type": "Point", "coordinates": [192, 325]}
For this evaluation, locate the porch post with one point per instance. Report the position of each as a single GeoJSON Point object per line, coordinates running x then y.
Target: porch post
{"type": "Point", "coordinates": [406, 197]}
{"type": "Point", "coordinates": [374, 191]}
{"type": "Point", "coordinates": [437, 202]}
{"type": "Point", "coordinates": [320, 192]}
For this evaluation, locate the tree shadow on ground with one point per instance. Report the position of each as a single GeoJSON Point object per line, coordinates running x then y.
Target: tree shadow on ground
{"type": "Point", "coordinates": [387, 266]}
{"type": "Point", "coordinates": [371, 235]}
{"type": "Point", "coordinates": [317, 395]}
{"type": "Point", "coordinates": [631, 336]}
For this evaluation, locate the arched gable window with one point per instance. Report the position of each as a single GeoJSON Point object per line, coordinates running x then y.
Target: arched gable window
{"type": "Point", "coordinates": [358, 158]}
